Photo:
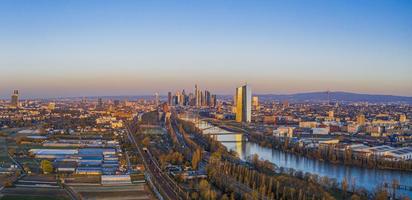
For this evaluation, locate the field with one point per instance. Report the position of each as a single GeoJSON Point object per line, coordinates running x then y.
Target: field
{"type": "Point", "coordinates": [83, 179]}
{"type": "Point", "coordinates": [31, 198]}
{"type": "Point", "coordinates": [124, 192]}
{"type": "Point", "coordinates": [33, 194]}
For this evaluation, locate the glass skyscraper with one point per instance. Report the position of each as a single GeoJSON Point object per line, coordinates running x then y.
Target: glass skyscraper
{"type": "Point", "coordinates": [243, 104]}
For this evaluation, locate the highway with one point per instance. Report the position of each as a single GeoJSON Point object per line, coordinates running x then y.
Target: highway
{"type": "Point", "coordinates": [163, 183]}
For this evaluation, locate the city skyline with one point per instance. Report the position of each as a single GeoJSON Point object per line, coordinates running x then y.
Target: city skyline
{"type": "Point", "coordinates": [23, 96]}
{"type": "Point", "coordinates": [206, 100]}
{"type": "Point", "coordinates": [73, 48]}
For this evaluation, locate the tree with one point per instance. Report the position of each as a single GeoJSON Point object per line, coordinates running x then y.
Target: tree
{"type": "Point", "coordinates": [355, 197]}
{"type": "Point", "coordinates": [146, 141]}
{"type": "Point", "coordinates": [216, 155]}
{"type": "Point", "coordinates": [196, 158]}
{"type": "Point", "coordinates": [381, 194]}
{"type": "Point", "coordinates": [353, 183]}
{"type": "Point", "coordinates": [7, 183]}
{"type": "Point", "coordinates": [395, 185]}
{"type": "Point", "coordinates": [232, 196]}
{"type": "Point", "coordinates": [12, 151]}
{"type": "Point", "coordinates": [46, 166]}
{"type": "Point", "coordinates": [194, 195]}
{"type": "Point", "coordinates": [224, 197]}
{"type": "Point", "coordinates": [344, 187]}
{"type": "Point", "coordinates": [26, 168]}
{"type": "Point", "coordinates": [204, 188]}
{"type": "Point", "coordinates": [255, 195]}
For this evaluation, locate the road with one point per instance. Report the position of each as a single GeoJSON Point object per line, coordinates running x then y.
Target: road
{"type": "Point", "coordinates": [166, 186]}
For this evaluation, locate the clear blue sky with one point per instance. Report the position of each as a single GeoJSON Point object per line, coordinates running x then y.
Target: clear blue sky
{"type": "Point", "coordinates": [75, 48]}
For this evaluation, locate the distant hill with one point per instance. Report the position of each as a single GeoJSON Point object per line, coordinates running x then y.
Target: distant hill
{"type": "Point", "coordinates": [338, 96]}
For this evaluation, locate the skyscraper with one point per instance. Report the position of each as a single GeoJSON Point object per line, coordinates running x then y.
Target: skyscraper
{"type": "Point", "coordinates": [331, 114]}
{"type": "Point", "coordinates": [243, 104]}
{"type": "Point", "coordinates": [207, 100]}
{"type": "Point", "coordinates": [157, 99]}
{"type": "Point", "coordinates": [116, 103]}
{"type": "Point", "coordinates": [213, 101]}
{"type": "Point", "coordinates": [15, 99]}
{"type": "Point", "coordinates": [285, 104]}
{"type": "Point", "coordinates": [99, 105]}
{"type": "Point", "coordinates": [197, 97]}
{"type": "Point", "coordinates": [255, 102]}
{"type": "Point", "coordinates": [403, 118]}
{"type": "Point", "coordinates": [178, 98]}
{"type": "Point", "coordinates": [361, 119]}
{"type": "Point", "coordinates": [169, 98]}
{"type": "Point", "coordinates": [183, 98]}
{"type": "Point", "coordinates": [51, 106]}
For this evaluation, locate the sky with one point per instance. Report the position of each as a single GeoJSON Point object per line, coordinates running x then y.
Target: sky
{"type": "Point", "coordinates": [71, 48]}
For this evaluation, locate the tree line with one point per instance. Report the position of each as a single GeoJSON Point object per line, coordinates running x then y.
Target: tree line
{"type": "Point", "coordinates": [330, 153]}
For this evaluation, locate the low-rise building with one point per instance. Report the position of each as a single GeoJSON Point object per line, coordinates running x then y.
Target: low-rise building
{"type": "Point", "coordinates": [404, 153]}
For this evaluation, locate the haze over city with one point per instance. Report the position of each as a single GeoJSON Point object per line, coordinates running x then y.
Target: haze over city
{"type": "Point", "coordinates": [91, 48]}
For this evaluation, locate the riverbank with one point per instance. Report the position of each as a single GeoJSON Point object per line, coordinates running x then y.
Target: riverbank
{"type": "Point", "coordinates": [256, 174]}
{"type": "Point", "coordinates": [360, 177]}
{"type": "Point", "coordinates": [329, 154]}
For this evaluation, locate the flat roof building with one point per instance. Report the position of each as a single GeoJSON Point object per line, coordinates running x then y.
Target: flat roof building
{"type": "Point", "coordinates": [401, 154]}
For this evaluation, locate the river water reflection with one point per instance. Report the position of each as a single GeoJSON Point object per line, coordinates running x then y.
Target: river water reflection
{"type": "Point", "coordinates": [365, 178]}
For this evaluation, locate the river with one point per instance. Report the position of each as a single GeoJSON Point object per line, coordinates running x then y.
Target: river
{"type": "Point", "coordinates": [363, 177]}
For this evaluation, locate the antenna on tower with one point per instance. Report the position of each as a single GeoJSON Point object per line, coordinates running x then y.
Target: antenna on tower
{"type": "Point", "coordinates": [328, 94]}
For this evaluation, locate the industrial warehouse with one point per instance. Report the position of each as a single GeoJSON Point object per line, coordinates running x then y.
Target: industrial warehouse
{"type": "Point", "coordinates": [89, 161]}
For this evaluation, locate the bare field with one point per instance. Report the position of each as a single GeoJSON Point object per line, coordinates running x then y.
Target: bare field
{"type": "Point", "coordinates": [82, 179]}
{"type": "Point", "coordinates": [34, 193]}
{"type": "Point", "coordinates": [40, 177]}
{"type": "Point", "coordinates": [124, 192]}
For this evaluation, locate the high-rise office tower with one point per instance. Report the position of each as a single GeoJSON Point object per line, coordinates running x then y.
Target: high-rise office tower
{"type": "Point", "coordinates": [178, 98]}
{"type": "Point", "coordinates": [213, 101]}
{"type": "Point", "coordinates": [187, 100]}
{"type": "Point", "coordinates": [51, 106]}
{"type": "Point", "coordinates": [99, 103]}
{"type": "Point", "coordinates": [197, 97]}
{"type": "Point", "coordinates": [255, 102]}
{"type": "Point", "coordinates": [15, 99]}
{"type": "Point", "coordinates": [361, 119]}
{"type": "Point", "coordinates": [331, 114]}
{"type": "Point", "coordinates": [116, 103]}
{"type": "Point", "coordinates": [157, 99]}
{"type": "Point", "coordinates": [285, 104]}
{"type": "Point", "coordinates": [244, 104]}
{"type": "Point", "coordinates": [84, 100]}
{"type": "Point", "coordinates": [201, 98]}
{"type": "Point", "coordinates": [403, 118]}
{"type": "Point", "coordinates": [183, 98]}
{"type": "Point", "coordinates": [169, 98]}
{"type": "Point", "coordinates": [175, 100]}
{"type": "Point", "coordinates": [207, 100]}
{"type": "Point", "coordinates": [192, 99]}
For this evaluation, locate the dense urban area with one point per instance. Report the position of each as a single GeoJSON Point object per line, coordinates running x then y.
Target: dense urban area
{"type": "Point", "coordinates": [197, 145]}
